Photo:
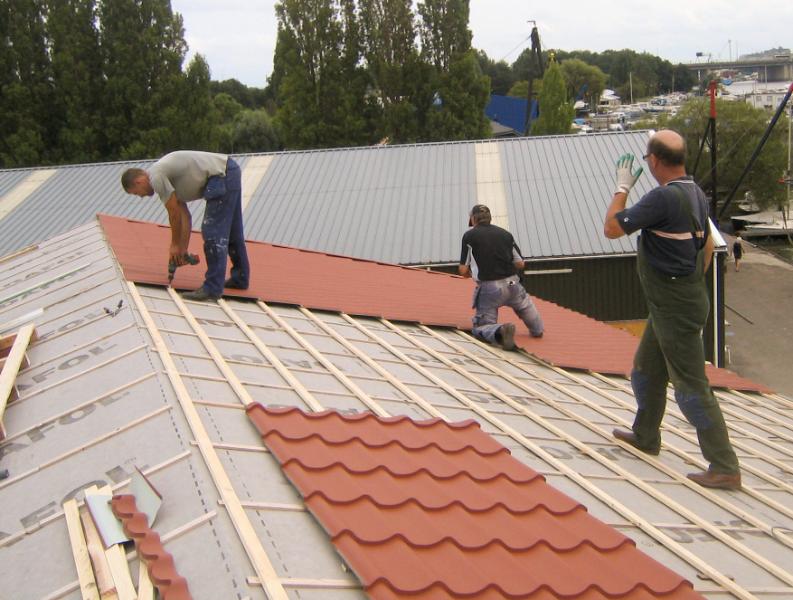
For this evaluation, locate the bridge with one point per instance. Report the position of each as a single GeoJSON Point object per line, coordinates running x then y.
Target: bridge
{"type": "Point", "coordinates": [775, 68]}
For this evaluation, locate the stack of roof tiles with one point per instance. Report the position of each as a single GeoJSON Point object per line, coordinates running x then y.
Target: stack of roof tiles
{"type": "Point", "coordinates": [437, 510]}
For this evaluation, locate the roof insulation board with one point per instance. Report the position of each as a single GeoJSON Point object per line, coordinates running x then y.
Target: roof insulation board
{"type": "Point", "coordinates": [162, 385]}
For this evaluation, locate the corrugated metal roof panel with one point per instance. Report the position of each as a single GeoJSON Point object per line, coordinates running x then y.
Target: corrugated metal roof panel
{"type": "Point", "coordinates": [378, 203]}
{"type": "Point", "coordinates": [401, 204]}
{"type": "Point", "coordinates": [72, 197]}
{"type": "Point", "coordinates": [559, 189]}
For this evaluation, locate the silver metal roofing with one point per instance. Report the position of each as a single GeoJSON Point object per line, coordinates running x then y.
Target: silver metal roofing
{"type": "Point", "coordinates": [163, 383]}
{"type": "Point", "coordinates": [402, 204]}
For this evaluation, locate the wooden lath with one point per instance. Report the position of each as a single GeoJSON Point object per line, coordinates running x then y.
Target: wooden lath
{"type": "Point", "coordinates": [12, 355]}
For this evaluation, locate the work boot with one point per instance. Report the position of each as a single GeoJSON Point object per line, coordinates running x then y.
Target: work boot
{"type": "Point", "coordinates": [630, 438]}
{"type": "Point", "coordinates": [3, 473]}
{"type": "Point", "coordinates": [199, 295]}
{"type": "Point", "coordinates": [721, 481]}
{"type": "Point", "coordinates": [507, 332]}
{"type": "Point", "coordinates": [232, 284]}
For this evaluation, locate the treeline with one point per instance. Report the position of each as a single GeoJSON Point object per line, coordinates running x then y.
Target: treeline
{"type": "Point", "coordinates": [98, 80]}
{"type": "Point", "coordinates": [350, 72]}
{"type": "Point", "coordinates": [587, 74]}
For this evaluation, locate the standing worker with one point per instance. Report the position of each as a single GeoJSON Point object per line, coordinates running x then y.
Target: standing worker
{"type": "Point", "coordinates": [737, 252]}
{"type": "Point", "coordinates": [675, 250]}
{"type": "Point", "coordinates": [187, 175]}
{"type": "Point", "coordinates": [490, 255]}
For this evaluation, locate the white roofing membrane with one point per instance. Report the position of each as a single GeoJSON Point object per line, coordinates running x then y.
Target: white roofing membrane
{"type": "Point", "coordinates": [161, 385]}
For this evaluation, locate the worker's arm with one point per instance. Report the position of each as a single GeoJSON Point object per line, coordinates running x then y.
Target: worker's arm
{"type": "Point", "coordinates": [626, 179]}
{"type": "Point", "coordinates": [708, 250]}
{"type": "Point", "coordinates": [611, 228]}
{"type": "Point", "coordinates": [464, 270]}
{"type": "Point", "coordinates": [181, 225]}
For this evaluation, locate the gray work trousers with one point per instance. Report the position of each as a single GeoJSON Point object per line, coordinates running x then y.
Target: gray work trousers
{"type": "Point", "coordinates": [489, 296]}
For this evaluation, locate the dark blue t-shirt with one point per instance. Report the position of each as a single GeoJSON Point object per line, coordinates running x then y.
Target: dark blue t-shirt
{"type": "Point", "coordinates": [669, 240]}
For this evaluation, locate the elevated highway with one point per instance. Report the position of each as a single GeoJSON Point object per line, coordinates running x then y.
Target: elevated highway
{"type": "Point", "coordinates": [775, 68]}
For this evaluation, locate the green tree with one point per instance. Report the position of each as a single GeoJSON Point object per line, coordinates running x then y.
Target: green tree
{"type": "Point", "coordinates": [556, 112]}
{"type": "Point", "coordinates": [500, 73]}
{"type": "Point", "coordinates": [253, 131]}
{"type": "Point", "coordinates": [520, 89]}
{"type": "Point", "coordinates": [462, 89]}
{"type": "Point", "coordinates": [26, 91]}
{"type": "Point", "coordinates": [586, 81]}
{"type": "Point", "coordinates": [312, 93]}
{"type": "Point", "coordinates": [445, 35]}
{"type": "Point", "coordinates": [739, 128]}
{"type": "Point", "coordinates": [143, 48]}
{"type": "Point", "coordinates": [77, 77]}
{"type": "Point", "coordinates": [464, 94]}
{"type": "Point", "coordinates": [398, 76]}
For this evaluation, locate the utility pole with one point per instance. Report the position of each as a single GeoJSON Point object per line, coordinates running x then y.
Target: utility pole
{"type": "Point", "coordinates": [709, 138]}
{"type": "Point", "coordinates": [532, 107]}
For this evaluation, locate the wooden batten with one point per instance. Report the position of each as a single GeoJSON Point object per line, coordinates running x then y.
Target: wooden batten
{"type": "Point", "coordinates": [13, 362]}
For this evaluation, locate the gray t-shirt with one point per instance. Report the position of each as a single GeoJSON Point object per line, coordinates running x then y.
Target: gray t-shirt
{"type": "Point", "coordinates": [185, 172]}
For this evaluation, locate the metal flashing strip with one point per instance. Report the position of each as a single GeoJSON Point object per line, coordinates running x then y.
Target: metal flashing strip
{"type": "Point", "coordinates": [23, 190]}
{"type": "Point", "coordinates": [252, 174]}
{"type": "Point", "coordinates": [490, 182]}
{"type": "Point", "coordinates": [242, 525]}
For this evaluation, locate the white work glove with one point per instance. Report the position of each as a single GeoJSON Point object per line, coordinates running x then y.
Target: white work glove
{"type": "Point", "coordinates": [626, 177]}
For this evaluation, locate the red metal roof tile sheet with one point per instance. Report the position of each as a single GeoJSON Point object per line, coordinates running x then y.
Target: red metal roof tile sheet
{"type": "Point", "coordinates": [441, 510]}
{"type": "Point", "coordinates": [158, 561]}
{"type": "Point", "coordinates": [336, 283]}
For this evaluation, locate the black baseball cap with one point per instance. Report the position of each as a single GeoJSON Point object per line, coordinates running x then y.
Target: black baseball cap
{"type": "Point", "coordinates": [477, 209]}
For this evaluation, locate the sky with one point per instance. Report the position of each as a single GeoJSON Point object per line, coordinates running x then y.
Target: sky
{"type": "Point", "coordinates": [237, 37]}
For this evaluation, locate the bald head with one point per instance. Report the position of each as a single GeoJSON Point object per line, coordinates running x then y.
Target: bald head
{"type": "Point", "coordinates": [669, 147]}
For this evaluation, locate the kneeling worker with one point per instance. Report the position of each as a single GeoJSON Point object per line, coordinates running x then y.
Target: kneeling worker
{"type": "Point", "coordinates": [490, 255]}
{"type": "Point", "coordinates": [187, 175]}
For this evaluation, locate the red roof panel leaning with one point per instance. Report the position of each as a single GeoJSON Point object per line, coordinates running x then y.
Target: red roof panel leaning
{"type": "Point", "coordinates": [434, 510]}
{"type": "Point", "coordinates": [336, 283]}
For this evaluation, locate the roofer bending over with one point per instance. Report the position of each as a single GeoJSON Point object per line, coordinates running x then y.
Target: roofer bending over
{"type": "Point", "coordinates": [675, 250]}
{"type": "Point", "coordinates": [490, 255]}
{"type": "Point", "coordinates": [184, 176]}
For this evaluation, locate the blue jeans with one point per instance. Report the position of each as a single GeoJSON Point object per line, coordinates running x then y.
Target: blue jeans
{"type": "Point", "coordinates": [223, 236]}
{"type": "Point", "coordinates": [489, 296]}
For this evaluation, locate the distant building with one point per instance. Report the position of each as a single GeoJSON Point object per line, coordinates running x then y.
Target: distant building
{"type": "Point", "coordinates": [767, 99]}
{"type": "Point", "coordinates": [508, 111]}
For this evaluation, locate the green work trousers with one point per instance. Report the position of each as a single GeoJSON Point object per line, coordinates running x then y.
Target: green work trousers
{"type": "Point", "coordinates": [672, 348]}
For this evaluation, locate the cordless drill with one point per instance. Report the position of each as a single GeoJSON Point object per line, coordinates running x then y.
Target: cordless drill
{"type": "Point", "coordinates": [191, 259]}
